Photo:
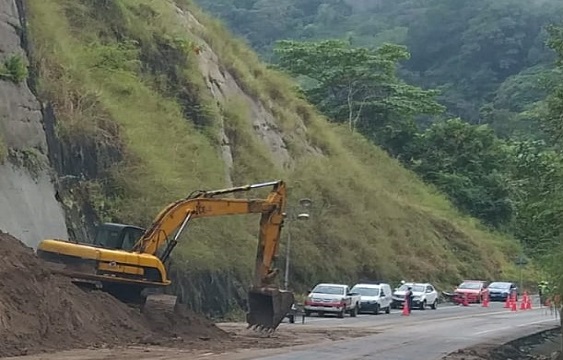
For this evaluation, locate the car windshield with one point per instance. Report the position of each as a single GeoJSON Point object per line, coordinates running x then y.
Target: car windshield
{"type": "Point", "coordinates": [364, 291]}
{"type": "Point", "coordinates": [499, 285]}
{"type": "Point", "coordinates": [470, 285]}
{"type": "Point", "coordinates": [327, 289]}
{"type": "Point", "coordinates": [415, 288]}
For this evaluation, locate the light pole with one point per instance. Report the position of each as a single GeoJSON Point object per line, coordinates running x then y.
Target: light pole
{"type": "Point", "coordinates": [521, 261]}
{"type": "Point", "coordinates": [304, 203]}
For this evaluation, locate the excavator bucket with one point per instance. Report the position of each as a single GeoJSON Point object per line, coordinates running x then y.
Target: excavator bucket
{"type": "Point", "coordinates": [268, 307]}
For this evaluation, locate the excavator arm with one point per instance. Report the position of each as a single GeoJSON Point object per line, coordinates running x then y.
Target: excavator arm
{"type": "Point", "coordinates": [267, 304]}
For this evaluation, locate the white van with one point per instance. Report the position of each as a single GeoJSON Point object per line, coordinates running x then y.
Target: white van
{"type": "Point", "coordinates": [374, 297]}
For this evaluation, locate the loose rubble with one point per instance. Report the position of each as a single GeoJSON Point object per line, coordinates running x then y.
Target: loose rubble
{"type": "Point", "coordinates": [42, 311]}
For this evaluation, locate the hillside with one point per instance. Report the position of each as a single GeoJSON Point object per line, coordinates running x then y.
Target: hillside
{"type": "Point", "coordinates": [492, 64]}
{"type": "Point", "coordinates": [145, 101]}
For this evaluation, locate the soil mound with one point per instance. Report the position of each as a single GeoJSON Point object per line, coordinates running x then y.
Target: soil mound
{"type": "Point", "coordinates": [42, 311]}
{"type": "Point", "coordinates": [180, 323]}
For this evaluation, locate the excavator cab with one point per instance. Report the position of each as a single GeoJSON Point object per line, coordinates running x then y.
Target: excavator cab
{"type": "Point", "coordinates": [117, 236]}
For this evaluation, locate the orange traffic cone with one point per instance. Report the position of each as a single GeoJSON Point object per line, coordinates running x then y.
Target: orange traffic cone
{"type": "Point", "coordinates": [465, 300]}
{"type": "Point", "coordinates": [406, 309]}
{"type": "Point", "coordinates": [507, 302]}
{"type": "Point", "coordinates": [485, 300]}
{"type": "Point", "coordinates": [513, 304]}
{"type": "Point", "coordinates": [523, 302]}
{"type": "Point", "coordinates": [528, 302]}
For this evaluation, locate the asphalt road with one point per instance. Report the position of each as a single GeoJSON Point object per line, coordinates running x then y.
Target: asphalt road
{"type": "Point", "coordinates": [424, 335]}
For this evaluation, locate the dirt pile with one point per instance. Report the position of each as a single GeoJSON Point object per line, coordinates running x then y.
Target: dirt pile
{"type": "Point", "coordinates": [41, 311]}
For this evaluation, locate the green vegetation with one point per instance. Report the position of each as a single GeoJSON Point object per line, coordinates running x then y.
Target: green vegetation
{"type": "Point", "coordinates": [495, 151]}
{"type": "Point", "coordinates": [14, 69]}
{"type": "Point", "coordinates": [359, 87]}
{"type": "Point", "coordinates": [131, 75]}
{"type": "Point", "coordinates": [545, 172]}
{"type": "Point", "coordinates": [478, 53]}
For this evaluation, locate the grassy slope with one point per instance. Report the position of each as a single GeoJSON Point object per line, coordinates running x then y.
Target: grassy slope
{"type": "Point", "coordinates": [371, 216]}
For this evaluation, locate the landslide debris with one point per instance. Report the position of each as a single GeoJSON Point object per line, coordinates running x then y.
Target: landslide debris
{"type": "Point", "coordinates": [41, 311]}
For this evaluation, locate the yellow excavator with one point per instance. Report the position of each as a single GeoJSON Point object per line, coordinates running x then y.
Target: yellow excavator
{"type": "Point", "coordinates": [129, 262]}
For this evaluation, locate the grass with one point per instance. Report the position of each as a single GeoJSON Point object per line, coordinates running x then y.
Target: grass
{"type": "Point", "coordinates": [143, 92]}
{"type": "Point", "coordinates": [14, 69]}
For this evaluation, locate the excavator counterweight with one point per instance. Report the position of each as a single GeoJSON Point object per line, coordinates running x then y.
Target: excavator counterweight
{"type": "Point", "coordinates": [129, 262]}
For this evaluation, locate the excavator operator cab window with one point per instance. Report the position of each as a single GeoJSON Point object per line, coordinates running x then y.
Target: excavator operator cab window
{"type": "Point", "coordinates": [130, 237]}
{"type": "Point", "coordinates": [108, 238]}
{"type": "Point", "coordinates": [117, 237]}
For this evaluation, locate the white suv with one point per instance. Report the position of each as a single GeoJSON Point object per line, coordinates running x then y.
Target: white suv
{"type": "Point", "coordinates": [374, 297]}
{"type": "Point", "coordinates": [424, 294]}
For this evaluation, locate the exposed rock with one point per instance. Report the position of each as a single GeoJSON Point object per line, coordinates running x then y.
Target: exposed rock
{"type": "Point", "coordinates": [28, 207]}
{"type": "Point", "coordinates": [223, 87]}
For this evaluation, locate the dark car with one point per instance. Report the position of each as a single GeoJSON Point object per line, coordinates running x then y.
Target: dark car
{"type": "Point", "coordinates": [499, 290]}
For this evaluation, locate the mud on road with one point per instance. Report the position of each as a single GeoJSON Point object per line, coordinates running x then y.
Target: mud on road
{"type": "Point", "coordinates": [237, 338]}
{"type": "Point", "coordinates": [44, 312]}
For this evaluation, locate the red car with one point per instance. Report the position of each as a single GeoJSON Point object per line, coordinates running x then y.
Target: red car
{"type": "Point", "coordinates": [474, 290]}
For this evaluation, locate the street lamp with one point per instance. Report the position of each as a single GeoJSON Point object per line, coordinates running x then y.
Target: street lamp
{"type": "Point", "coordinates": [305, 203]}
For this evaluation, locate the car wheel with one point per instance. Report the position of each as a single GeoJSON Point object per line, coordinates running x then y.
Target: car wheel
{"type": "Point", "coordinates": [376, 310]}
{"type": "Point", "coordinates": [434, 306]}
{"type": "Point", "coordinates": [423, 305]}
{"type": "Point", "coordinates": [354, 311]}
{"type": "Point", "coordinates": [388, 309]}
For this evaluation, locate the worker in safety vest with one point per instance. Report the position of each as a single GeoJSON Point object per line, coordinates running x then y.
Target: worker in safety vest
{"type": "Point", "coordinates": [543, 290]}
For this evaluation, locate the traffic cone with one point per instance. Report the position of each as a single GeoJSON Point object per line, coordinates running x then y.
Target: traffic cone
{"type": "Point", "coordinates": [513, 304]}
{"type": "Point", "coordinates": [523, 302]}
{"type": "Point", "coordinates": [485, 300]}
{"type": "Point", "coordinates": [507, 302]}
{"type": "Point", "coordinates": [528, 302]}
{"type": "Point", "coordinates": [465, 300]}
{"type": "Point", "coordinates": [406, 311]}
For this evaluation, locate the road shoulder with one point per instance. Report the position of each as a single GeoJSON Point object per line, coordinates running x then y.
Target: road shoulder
{"type": "Point", "coordinates": [518, 344]}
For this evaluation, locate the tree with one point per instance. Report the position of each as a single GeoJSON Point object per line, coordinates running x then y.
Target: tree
{"type": "Point", "coordinates": [553, 122]}
{"type": "Point", "coordinates": [358, 86]}
{"type": "Point", "coordinates": [537, 174]}
{"type": "Point", "coordinates": [469, 163]}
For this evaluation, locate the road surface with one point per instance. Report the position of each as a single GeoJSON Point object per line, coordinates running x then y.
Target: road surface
{"type": "Point", "coordinates": [425, 335]}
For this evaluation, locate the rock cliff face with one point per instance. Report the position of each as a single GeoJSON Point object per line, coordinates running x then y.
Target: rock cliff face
{"type": "Point", "coordinates": [29, 209]}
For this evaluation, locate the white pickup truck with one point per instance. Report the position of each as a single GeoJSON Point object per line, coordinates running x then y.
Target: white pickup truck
{"type": "Point", "coordinates": [332, 298]}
